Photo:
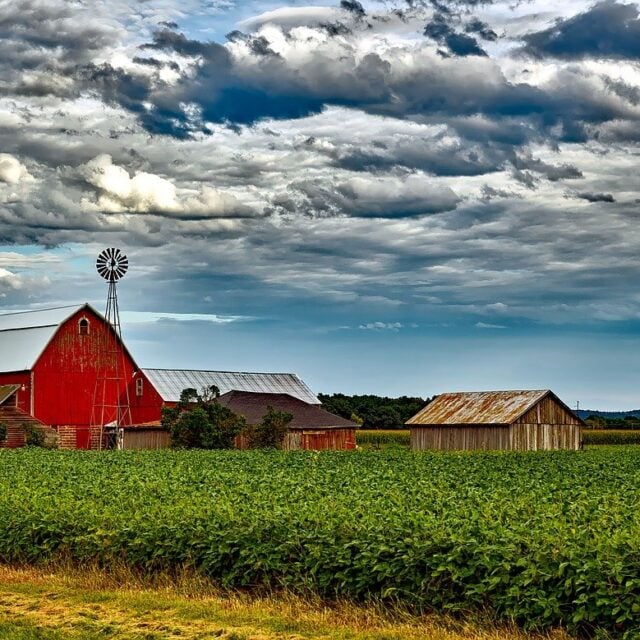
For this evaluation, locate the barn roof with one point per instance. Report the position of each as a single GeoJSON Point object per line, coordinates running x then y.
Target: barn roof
{"type": "Point", "coordinates": [479, 407]}
{"type": "Point", "coordinates": [24, 335]}
{"type": "Point", "coordinates": [253, 406]}
{"type": "Point", "coordinates": [6, 391]}
{"type": "Point", "coordinates": [170, 383]}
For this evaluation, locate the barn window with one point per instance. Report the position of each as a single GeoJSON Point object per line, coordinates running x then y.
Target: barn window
{"type": "Point", "coordinates": [139, 386]}
{"type": "Point", "coordinates": [83, 327]}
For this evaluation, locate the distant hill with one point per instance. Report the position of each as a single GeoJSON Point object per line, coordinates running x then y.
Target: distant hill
{"type": "Point", "coordinates": [609, 415]}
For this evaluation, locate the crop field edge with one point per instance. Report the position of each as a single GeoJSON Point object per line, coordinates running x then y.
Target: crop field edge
{"type": "Point", "coordinates": [56, 603]}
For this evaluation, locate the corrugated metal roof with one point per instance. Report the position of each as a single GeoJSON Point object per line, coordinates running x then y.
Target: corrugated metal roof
{"type": "Point", "coordinates": [170, 383]}
{"type": "Point", "coordinates": [6, 391]}
{"type": "Point", "coordinates": [478, 407]}
{"type": "Point", "coordinates": [19, 349]}
{"type": "Point", "coordinates": [38, 318]}
{"type": "Point", "coordinates": [25, 334]}
{"type": "Point", "coordinates": [253, 407]}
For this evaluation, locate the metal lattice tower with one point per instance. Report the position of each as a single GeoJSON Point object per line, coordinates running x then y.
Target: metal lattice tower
{"type": "Point", "coordinates": [111, 381]}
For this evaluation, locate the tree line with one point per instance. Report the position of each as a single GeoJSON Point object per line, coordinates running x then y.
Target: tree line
{"type": "Point", "coordinates": [373, 412]}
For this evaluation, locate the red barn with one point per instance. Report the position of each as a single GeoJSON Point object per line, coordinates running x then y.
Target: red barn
{"type": "Point", "coordinates": [55, 357]}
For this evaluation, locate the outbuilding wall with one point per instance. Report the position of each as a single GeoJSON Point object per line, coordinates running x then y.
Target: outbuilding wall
{"type": "Point", "coordinates": [458, 438]}
{"type": "Point", "coordinates": [146, 439]}
{"type": "Point", "coordinates": [517, 437]}
{"type": "Point", "coordinates": [535, 437]}
{"type": "Point", "coordinates": [320, 439]}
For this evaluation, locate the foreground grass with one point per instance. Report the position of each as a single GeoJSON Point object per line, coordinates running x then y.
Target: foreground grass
{"type": "Point", "coordinates": [45, 605]}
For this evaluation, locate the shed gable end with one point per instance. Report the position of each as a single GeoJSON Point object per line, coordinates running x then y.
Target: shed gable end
{"type": "Point", "coordinates": [548, 410]}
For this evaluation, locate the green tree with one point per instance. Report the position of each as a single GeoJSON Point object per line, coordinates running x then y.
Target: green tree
{"type": "Point", "coordinates": [199, 421]}
{"type": "Point", "coordinates": [269, 433]}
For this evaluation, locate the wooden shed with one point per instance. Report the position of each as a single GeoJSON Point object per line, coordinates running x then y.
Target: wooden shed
{"type": "Point", "coordinates": [311, 427]}
{"type": "Point", "coordinates": [148, 435]}
{"type": "Point", "coordinates": [507, 420]}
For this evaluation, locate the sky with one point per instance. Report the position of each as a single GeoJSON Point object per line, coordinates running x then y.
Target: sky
{"type": "Point", "coordinates": [393, 197]}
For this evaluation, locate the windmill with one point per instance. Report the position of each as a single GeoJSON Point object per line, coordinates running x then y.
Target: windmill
{"type": "Point", "coordinates": [111, 399]}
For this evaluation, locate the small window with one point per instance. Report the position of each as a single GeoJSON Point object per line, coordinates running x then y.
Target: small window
{"type": "Point", "coordinates": [139, 386]}
{"type": "Point", "coordinates": [83, 327]}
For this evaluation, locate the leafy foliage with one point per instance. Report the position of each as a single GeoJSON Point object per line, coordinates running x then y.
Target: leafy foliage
{"type": "Point", "coordinates": [33, 436]}
{"type": "Point", "coordinates": [199, 421]}
{"type": "Point", "coordinates": [269, 433]}
{"type": "Point", "coordinates": [376, 412]}
{"type": "Point", "coordinates": [545, 539]}
{"type": "Point", "coordinates": [621, 422]}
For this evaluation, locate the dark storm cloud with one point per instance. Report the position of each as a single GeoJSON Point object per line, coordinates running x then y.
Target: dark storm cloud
{"type": "Point", "coordinates": [551, 172]}
{"type": "Point", "coordinates": [608, 30]}
{"type": "Point", "coordinates": [459, 44]}
{"type": "Point", "coordinates": [596, 197]}
{"type": "Point", "coordinates": [241, 89]}
{"type": "Point", "coordinates": [353, 6]}
{"type": "Point", "coordinates": [482, 29]}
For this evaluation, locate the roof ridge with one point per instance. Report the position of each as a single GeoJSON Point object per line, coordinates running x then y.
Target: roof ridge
{"type": "Point", "coordinates": [253, 373]}
{"type": "Point", "coordinates": [64, 306]}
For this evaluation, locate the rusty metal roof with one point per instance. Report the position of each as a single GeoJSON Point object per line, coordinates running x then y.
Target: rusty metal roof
{"type": "Point", "coordinates": [478, 407]}
{"type": "Point", "coordinates": [6, 391]}
{"type": "Point", "coordinates": [170, 383]}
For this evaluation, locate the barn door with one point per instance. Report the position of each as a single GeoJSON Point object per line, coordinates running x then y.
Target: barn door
{"type": "Point", "coordinates": [83, 438]}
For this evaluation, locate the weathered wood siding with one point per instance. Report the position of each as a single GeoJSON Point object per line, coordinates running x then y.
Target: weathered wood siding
{"type": "Point", "coordinates": [548, 412]}
{"type": "Point", "coordinates": [458, 438]}
{"type": "Point", "coordinates": [320, 439]}
{"type": "Point", "coordinates": [535, 437]}
{"type": "Point", "coordinates": [517, 437]}
{"type": "Point", "coordinates": [146, 439]}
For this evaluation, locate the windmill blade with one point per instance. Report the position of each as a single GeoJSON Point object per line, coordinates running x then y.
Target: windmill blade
{"type": "Point", "coordinates": [112, 264]}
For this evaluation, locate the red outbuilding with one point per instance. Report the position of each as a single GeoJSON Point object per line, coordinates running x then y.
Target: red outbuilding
{"type": "Point", "coordinates": [70, 368]}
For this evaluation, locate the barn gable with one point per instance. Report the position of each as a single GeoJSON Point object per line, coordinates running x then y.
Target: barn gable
{"type": "Point", "coordinates": [25, 335]}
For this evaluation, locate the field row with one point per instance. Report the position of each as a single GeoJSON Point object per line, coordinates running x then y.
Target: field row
{"type": "Point", "coordinates": [542, 539]}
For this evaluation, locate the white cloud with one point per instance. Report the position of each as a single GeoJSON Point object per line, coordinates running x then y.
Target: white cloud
{"type": "Point", "coordinates": [289, 17]}
{"type": "Point", "coordinates": [381, 326]}
{"type": "Point", "coordinates": [487, 325]}
{"type": "Point", "coordinates": [12, 170]}
{"type": "Point", "coordinates": [118, 192]}
{"type": "Point", "coordinates": [134, 317]}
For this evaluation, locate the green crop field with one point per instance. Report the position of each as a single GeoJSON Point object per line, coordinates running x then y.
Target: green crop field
{"type": "Point", "coordinates": [542, 539]}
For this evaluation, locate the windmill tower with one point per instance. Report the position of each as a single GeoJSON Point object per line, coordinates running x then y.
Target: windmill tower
{"type": "Point", "coordinates": [111, 398]}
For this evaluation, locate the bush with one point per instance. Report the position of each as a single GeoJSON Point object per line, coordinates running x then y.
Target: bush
{"type": "Point", "coordinates": [270, 432]}
{"type": "Point", "coordinates": [199, 421]}
{"type": "Point", "coordinates": [33, 435]}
